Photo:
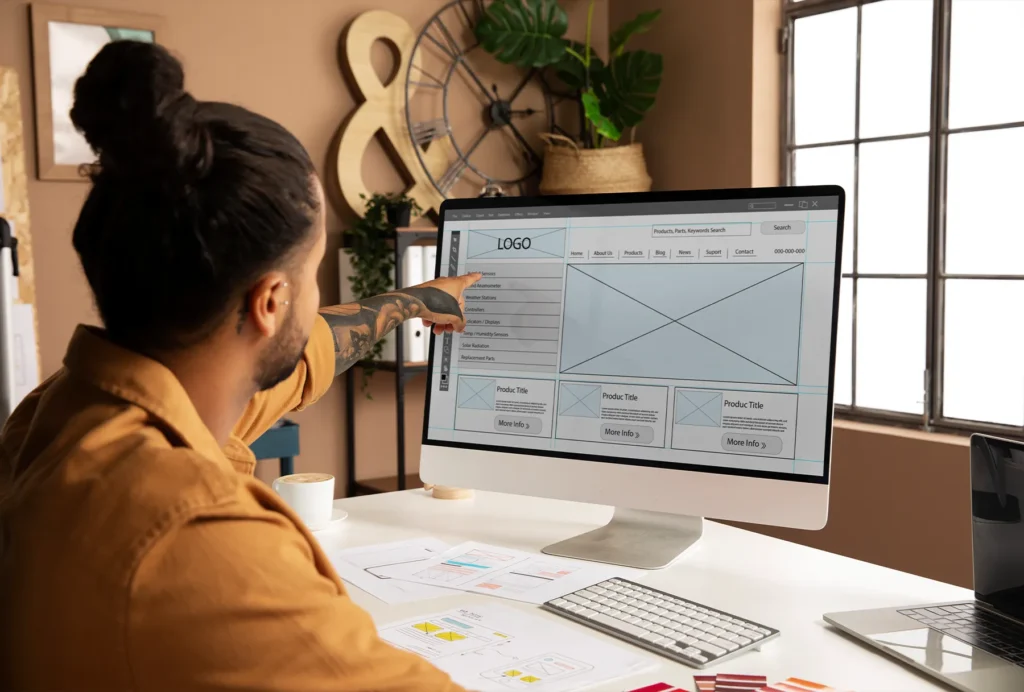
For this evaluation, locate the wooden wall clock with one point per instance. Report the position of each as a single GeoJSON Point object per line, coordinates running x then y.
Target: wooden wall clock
{"type": "Point", "coordinates": [487, 117]}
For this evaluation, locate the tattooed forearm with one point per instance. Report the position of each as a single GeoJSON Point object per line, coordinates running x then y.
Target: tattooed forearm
{"type": "Point", "coordinates": [358, 326]}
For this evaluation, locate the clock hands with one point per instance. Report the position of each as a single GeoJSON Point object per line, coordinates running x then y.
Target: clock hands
{"type": "Point", "coordinates": [519, 87]}
{"type": "Point", "coordinates": [531, 155]}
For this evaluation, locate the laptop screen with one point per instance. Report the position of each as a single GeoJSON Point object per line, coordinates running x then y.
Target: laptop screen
{"type": "Point", "coordinates": [997, 486]}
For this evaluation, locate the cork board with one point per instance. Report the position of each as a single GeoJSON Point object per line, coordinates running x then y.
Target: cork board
{"type": "Point", "coordinates": [14, 191]}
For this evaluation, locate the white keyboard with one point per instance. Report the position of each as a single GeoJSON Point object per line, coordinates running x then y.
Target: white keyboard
{"type": "Point", "coordinates": [674, 627]}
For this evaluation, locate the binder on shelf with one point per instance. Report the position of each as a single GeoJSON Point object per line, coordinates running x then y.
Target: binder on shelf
{"type": "Point", "coordinates": [429, 262]}
{"type": "Point", "coordinates": [414, 335]}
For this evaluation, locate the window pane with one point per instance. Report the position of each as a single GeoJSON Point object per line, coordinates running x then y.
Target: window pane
{"type": "Point", "coordinates": [895, 68]}
{"type": "Point", "coordinates": [986, 65]}
{"type": "Point", "coordinates": [891, 344]}
{"type": "Point", "coordinates": [830, 166]}
{"type": "Point", "coordinates": [983, 377]}
{"type": "Point", "coordinates": [844, 345]}
{"type": "Point", "coordinates": [984, 178]}
{"type": "Point", "coordinates": [892, 214]}
{"type": "Point", "coordinates": [824, 76]}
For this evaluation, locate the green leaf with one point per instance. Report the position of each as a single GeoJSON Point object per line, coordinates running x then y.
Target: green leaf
{"type": "Point", "coordinates": [602, 124]}
{"type": "Point", "coordinates": [638, 25]}
{"type": "Point", "coordinates": [630, 84]}
{"type": "Point", "coordinates": [526, 33]}
{"type": "Point", "coordinates": [571, 71]}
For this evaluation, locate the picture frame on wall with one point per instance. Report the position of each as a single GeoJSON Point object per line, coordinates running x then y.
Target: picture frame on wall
{"type": "Point", "coordinates": [64, 40]}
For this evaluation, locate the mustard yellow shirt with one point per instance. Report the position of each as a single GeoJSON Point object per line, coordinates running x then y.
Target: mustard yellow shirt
{"type": "Point", "coordinates": [141, 555]}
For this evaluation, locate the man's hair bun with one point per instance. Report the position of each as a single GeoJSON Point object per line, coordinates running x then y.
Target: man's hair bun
{"type": "Point", "coordinates": [132, 108]}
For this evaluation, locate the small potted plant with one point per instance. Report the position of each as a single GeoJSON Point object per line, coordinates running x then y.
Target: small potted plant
{"type": "Point", "coordinates": [398, 209]}
{"type": "Point", "coordinates": [612, 96]}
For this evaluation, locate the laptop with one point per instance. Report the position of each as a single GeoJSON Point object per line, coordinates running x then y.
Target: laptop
{"type": "Point", "coordinates": [975, 646]}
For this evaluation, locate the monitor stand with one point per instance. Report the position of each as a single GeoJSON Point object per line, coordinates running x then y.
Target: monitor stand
{"type": "Point", "coordinates": [634, 538]}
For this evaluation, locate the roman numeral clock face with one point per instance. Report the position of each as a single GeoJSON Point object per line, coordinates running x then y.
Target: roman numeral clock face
{"type": "Point", "coordinates": [486, 117]}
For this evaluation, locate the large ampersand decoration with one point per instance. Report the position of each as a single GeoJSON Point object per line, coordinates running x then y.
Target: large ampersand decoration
{"type": "Point", "coordinates": [383, 110]}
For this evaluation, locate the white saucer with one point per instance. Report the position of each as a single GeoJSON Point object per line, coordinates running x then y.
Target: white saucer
{"type": "Point", "coordinates": [337, 516]}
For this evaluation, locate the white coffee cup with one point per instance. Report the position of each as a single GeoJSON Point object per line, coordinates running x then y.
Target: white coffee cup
{"type": "Point", "coordinates": [310, 495]}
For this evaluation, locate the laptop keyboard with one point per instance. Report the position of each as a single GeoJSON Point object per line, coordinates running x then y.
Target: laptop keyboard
{"type": "Point", "coordinates": [975, 626]}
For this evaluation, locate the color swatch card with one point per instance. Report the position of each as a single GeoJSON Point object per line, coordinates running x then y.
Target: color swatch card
{"type": "Point", "coordinates": [507, 573]}
{"type": "Point", "coordinates": [727, 682]}
{"type": "Point", "coordinates": [799, 685]}
{"type": "Point", "coordinates": [494, 647]}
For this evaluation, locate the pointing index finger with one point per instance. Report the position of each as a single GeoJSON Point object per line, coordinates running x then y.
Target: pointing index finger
{"type": "Point", "coordinates": [470, 279]}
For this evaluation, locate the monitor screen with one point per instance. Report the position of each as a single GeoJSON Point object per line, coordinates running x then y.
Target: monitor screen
{"type": "Point", "coordinates": [688, 332]}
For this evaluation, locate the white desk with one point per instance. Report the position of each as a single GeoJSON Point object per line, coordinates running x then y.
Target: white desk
{"type": "Point", "coordinates": [780, 584]}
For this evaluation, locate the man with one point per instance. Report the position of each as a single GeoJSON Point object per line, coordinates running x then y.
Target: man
{"type": "Point", "coordinates": [136, 549]}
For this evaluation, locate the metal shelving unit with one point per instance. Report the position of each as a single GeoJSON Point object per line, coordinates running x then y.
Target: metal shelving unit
{"type": "Point", "coordinates": [403, 372]}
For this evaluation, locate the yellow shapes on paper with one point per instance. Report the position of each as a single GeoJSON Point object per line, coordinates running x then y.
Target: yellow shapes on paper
{"type": "Point", "coordinates": [513, 673]}
{"type": "Point", "coordinates": [529, 678]}
{"type": "Point", "coordinates": [427, 627]}
{"type": "Point", "coordinates": [450, 636]}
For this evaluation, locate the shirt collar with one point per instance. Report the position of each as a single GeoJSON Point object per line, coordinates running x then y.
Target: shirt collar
{"type": "Point", "coordinates": [141, 381]}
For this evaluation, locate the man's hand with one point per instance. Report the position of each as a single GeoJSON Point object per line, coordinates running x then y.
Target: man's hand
{"type": "Point", "coordinates": [445, 313]}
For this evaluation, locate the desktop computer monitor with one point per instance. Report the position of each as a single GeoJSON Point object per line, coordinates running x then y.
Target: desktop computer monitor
{"type": "Point", "coordinates": [669, 354]}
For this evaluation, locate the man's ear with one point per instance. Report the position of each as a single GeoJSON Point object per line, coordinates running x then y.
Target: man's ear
{"type": "Point", "coordinates": [267, 303]}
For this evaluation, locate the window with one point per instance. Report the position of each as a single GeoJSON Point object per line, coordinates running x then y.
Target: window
{"type": "Point", "coordinates": [916, 107]}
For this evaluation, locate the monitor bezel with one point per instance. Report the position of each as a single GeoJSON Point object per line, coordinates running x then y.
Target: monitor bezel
{"type": "Point", "coordinates": [647, 198]}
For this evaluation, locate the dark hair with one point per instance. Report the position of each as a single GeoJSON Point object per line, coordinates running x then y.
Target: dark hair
{"type": "Point", "coordinates": [191, 200]}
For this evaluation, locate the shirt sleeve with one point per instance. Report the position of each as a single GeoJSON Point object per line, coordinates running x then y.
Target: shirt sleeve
{"type": "Point", "coordinates": [237, 603]}
{"type": "Point", "coordinates": [312, 378]}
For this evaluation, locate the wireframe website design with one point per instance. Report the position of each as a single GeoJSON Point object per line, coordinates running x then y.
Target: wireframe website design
{"type": "Point", "coordinates": [698, 337]}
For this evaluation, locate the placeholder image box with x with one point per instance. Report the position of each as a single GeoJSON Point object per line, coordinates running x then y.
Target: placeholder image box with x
{"type": "Point", "coordinates": [736, 323]}
{"type": "Point", "coordinates": [477, 392]}
{"type": "Point", "coordinates": [698, 407]}
{"type": "Point", "coordinates": [580, 400]}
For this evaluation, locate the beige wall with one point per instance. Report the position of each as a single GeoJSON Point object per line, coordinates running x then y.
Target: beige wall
{"type": "Point", "coordinates": [276, 57]}
{"type": "Point", "coordinates": [700, 133]}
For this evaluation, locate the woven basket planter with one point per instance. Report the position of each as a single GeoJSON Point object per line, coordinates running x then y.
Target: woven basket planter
{"type": "Point", "coordinates": [569, 170]}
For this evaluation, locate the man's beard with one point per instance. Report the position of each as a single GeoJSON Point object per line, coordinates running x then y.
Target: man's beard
{"type": "Point", "coordinates": [281, 356]}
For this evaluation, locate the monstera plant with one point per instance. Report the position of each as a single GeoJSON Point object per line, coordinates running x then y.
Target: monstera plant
{"type": "Point", "coordinates": [613, 95]}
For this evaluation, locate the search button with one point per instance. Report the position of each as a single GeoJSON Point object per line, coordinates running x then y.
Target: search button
{"type": "Point", "coordinates": [782, 227]}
